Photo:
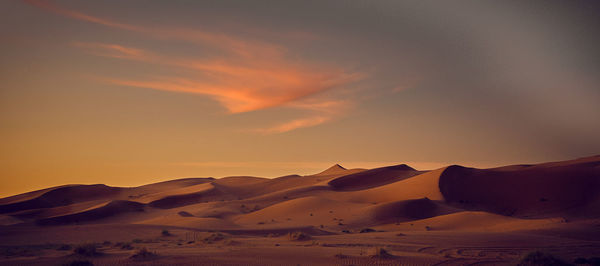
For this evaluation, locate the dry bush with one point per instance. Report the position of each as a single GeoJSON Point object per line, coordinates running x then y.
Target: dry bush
{"type": "Point", "coordinates": [341, 256]}
{"type": "Point", "coordinates": [380, 253]}
{"type": "Point", "coordinates": [143, 253]}
{"type": "Point", "coordinates": [298, 236]}
{"type": "Point", "coordinates": [64, 247]}
{"type": "Point", "coordinates": [79, 263]}
{"type": "Point", "coordinates": [536, 258]}
{"type": "Point", "coordinates": [87, 250]}
{"type": "Point", "coordinates": [230, 242]}
{"type": "Point", "coordinates": [214, 237]}
{"type": "Point", "coordinates": [124, 245]}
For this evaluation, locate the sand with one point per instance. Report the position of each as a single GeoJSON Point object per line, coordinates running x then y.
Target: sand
{"type": "Point", "coordinates": [454, 215]}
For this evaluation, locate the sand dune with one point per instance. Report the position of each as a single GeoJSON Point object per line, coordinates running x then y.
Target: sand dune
{"type": "Point", "coordinates": [407, 210]}
{"type": "Point", "coordinates": [111, 209]}
{"type": "Point", "coordinates": [553, 196]}
{"type": "Point", "coordinates": [62, 196]}
{"type": "Point", "coordinates": [527, 191]}
{"type": "Point", "coordinates": [556, 189]}
{"type": "Point", "coordinates": [373, 178]}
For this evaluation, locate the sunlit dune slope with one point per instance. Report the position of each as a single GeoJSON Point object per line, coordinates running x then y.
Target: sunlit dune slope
{"type": "Point", "coordinates": [516, 197]}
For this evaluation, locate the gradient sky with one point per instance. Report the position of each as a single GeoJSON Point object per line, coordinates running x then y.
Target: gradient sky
{"type": "Point", "coordinates": [133, 92]}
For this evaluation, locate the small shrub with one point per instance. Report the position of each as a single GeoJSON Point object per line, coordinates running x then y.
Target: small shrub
{"type": "Point", "coordinates": [427, 228]}
{"type": "Point", "coordinates": [165, 232]}
{"type": "Point", "coordinates": [381, 253]}
{"type": "Point", "coordinates": [341, 256]}
{"type": "Point", "coordinates": [185, 214]}
{"type": "Point", "coordinates": [64, 247]}
{"type": "Point", "coordinates": [298, 236]}
{"type": "Point", "coordinates": [540, 258]}
{"type": "Point", "coordinates": [400, 234]}
{"type": "Point", "coordinates": [125, 246]}
{"type": "Point", "coordinates": [143, 254]}
{"type": "Point", "coordinates": [229, 242]}
{"type": "Point", "coordinates": [79, 263]}
{"type": "Point", "coordinates": [214, 237]}
{"type": "Point", "coordinates": [367, 230]}
{"type": "Point", "coordinates": [88, 250]}
{"type": "Point", "coordinates": [595, 261]}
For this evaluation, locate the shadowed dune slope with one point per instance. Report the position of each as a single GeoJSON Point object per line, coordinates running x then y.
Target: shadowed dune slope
{"type": "Point", "coordinates": [419, 186]}
{"type": "Point", "coordinates": [373, 178]}
{"type": "Point", "coordinates": [205, 194]}
{"type": "Point", "coordinates": [543, 190]}
{"type": "Point", "coordinates": [35, 214]}
{"type": "Point", "coordinates": [111, 209]}
{"type": "Point", "coordinates": [63, 196]}
{"type": "Point", "coordinates": [27, 195]}
{"type": "Point", "coordinates": [407, 210]}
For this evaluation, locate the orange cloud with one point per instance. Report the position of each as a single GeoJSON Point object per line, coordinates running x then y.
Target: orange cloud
{"type": "Point", "coordinates": [295, 124]}
{"type": "Point", "coordinates": [113, 50]}
{"type": "Point", "coordinates": [239, 85]}
{"type": "Point", "coordinates": [240, 47]}
{"type": "Point", "coordinates": [252, 75]}
{"type": "Point", "coordinates": [324, 111]}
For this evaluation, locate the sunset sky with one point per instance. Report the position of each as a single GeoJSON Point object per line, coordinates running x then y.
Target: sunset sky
{"type": "Point", "coordinates": [133, 92]}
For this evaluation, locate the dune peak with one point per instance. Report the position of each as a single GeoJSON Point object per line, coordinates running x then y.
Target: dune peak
{"type": "Point", "coordinates": [334, 169]}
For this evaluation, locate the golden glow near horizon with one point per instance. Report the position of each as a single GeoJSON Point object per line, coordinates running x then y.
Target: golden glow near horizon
{"type": "Point", "coordinates": [108, 92]}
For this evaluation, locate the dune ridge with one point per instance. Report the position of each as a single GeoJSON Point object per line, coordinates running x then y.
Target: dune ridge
{"type": "Point", "coordinates": [334, 199]}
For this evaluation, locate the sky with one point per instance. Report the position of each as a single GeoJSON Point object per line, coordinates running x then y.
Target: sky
{"type": "Point", "coordinates": [132, 92]}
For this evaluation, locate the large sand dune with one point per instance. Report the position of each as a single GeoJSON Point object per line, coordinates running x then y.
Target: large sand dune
{"type": "Point", "coordinates": [447, 202]}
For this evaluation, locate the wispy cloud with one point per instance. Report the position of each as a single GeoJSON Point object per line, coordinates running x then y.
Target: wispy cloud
{"type": "Point", "coordinates": [113, 50]}
{"type": "Point", "coordinates": [295, 124]}
{"type": "Point", "coordinates": [241, 47]}
{"type": "Point", "coordinates": [239, 85]}
{"type": "Point", "coordinates": [322, 111]}
{"type": "Point", "coordinates": [251, 75]}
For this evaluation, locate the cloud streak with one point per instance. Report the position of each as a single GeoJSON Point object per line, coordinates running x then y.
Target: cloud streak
{"type": "Point", "coordinates": [323, 111]}
{"type": "Point", "coordinates": [250, 75]}
{"type": "Point", "coordinates": [239, 85]}
{"type": "Point", "coordinates": [241, 47]}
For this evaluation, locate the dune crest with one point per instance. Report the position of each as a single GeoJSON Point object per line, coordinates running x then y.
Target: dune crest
{"type": "Point", "coordinates": [335, 169]}
{"type": "Point", "coordinates": [336, 198]}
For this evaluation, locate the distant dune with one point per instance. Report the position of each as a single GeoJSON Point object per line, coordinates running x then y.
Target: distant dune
{"type": "Point", "coordinates": [548, 196]}
{"type": "Point", "coordinates": [566, 189]}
